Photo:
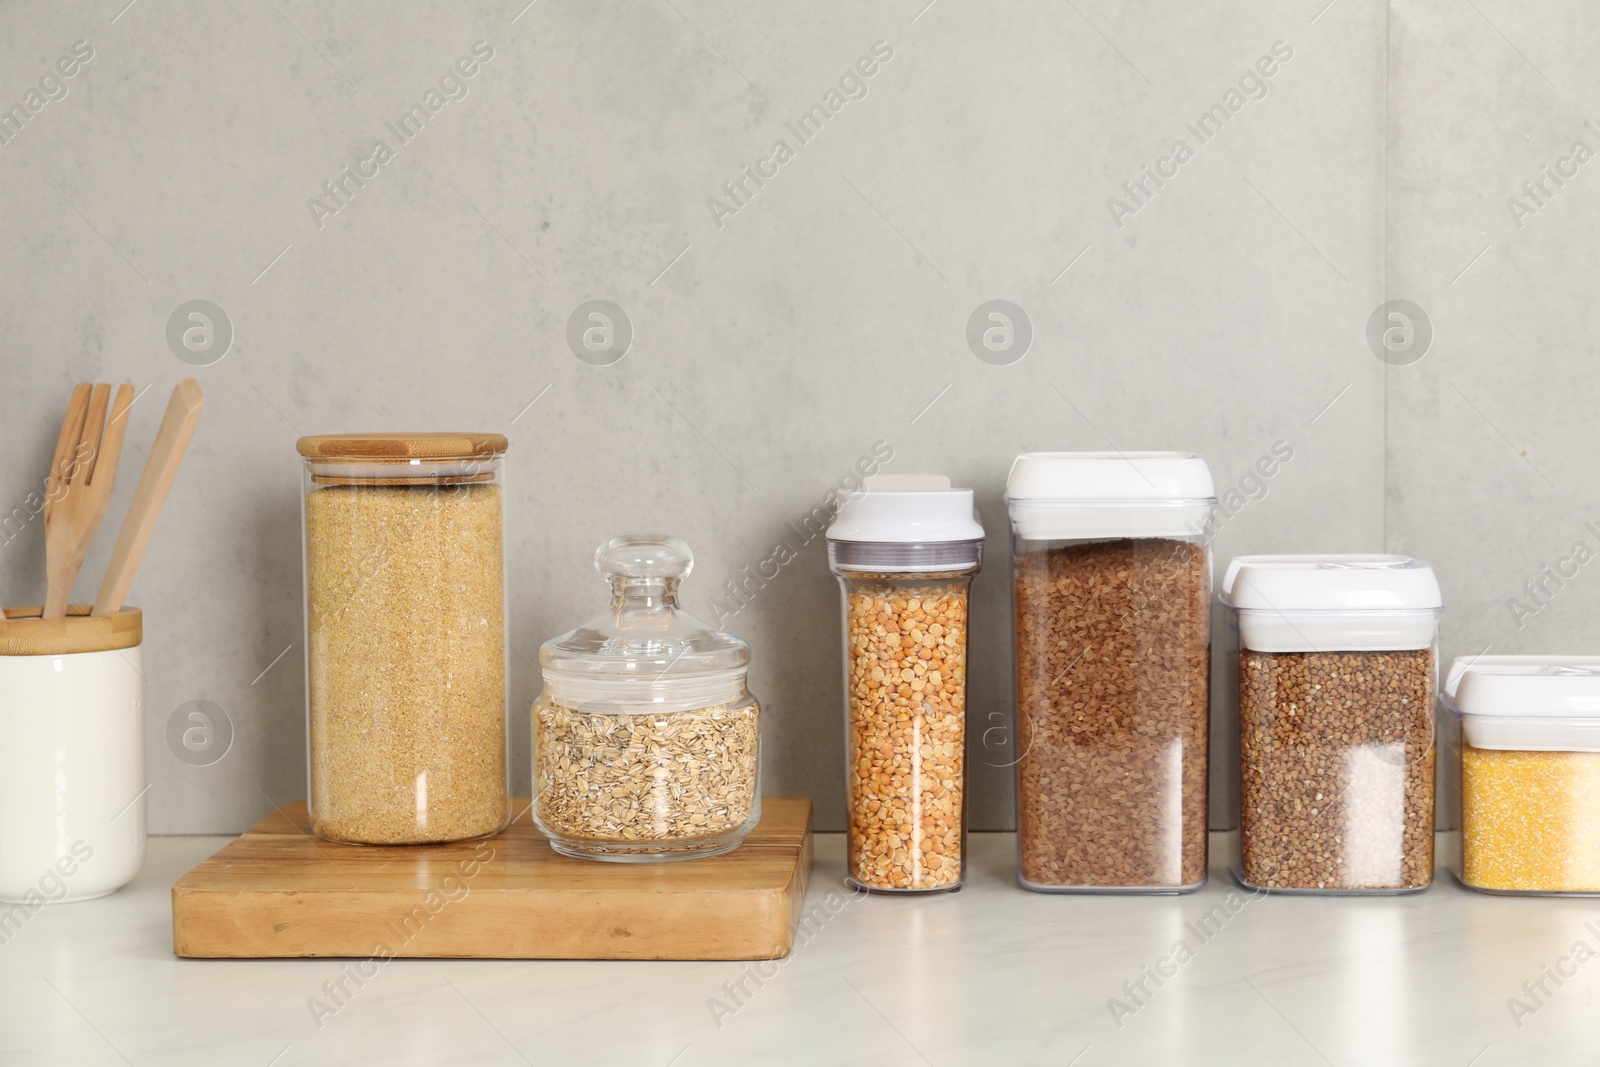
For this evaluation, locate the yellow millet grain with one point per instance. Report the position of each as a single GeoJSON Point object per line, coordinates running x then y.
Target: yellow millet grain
{"type": "Point", "coordinates": [906, 647]}
{"type": "Point", "coordinates": [406, 594]}
{"type": "Point", "coordinates": [1530, 820]}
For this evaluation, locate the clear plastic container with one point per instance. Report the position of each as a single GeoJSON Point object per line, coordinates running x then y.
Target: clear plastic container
{"type": "Point", "coordinates": [646, 740]}
{"type": "Point", "coordinates": [1338, 672]}
{"type": "Point", "coordinates": [1528, 769]}
{"type": "Point", "coordinates": [405, 637]}
{"type": "Point", "coordinates": [1111, 593]}
{"type": "Point", "coordinates": [905, 551]}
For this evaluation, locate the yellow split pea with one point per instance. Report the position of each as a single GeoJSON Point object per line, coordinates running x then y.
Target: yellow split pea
{"type": "Point", "coordinates": [906, 645]}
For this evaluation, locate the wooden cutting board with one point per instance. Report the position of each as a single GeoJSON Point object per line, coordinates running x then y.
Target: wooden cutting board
{"type": "Point", "coordinates": [278, 891]}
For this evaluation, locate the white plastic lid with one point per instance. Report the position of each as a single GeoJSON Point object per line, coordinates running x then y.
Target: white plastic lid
{"type": "Point", "coordinates": [1061, 495]}
{"type": "Point", "coordinates": [905, 523]}
{"type": "Point", "coordinates": [1333, 603]}
{"type": "Point", "coordinates": [1528, 703]}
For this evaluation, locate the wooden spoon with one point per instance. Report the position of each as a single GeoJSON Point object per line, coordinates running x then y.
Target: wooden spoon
{"type": "Point", "coordinates": [177, 427]}
{"type": "Point", "coordinates": [82, 474]}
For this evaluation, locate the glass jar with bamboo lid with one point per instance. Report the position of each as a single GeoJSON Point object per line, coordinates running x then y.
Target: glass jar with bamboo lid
{"type": "Point", "coordinates": [405, 636]}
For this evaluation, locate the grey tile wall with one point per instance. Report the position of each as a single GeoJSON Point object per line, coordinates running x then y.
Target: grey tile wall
{"type": "Point", "coordinates": [1490, 455]}
{"type": "Point", "coordinates": [1222, 310]}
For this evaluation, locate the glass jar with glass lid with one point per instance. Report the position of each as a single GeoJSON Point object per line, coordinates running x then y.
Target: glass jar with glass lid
{"type": "Point", "coordinates": [646, 740]}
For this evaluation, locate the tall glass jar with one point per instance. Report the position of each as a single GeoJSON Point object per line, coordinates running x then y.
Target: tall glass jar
{"type": "Point", "coordinates": [1111, 586]}
{"type": "Point", "coordinates": [405, 636]}
{"type": "Point", "coordinates": [1338, 674]}
{"type": "Point", "coordinates": [646, 740]}
{"type": "Point", "coordinates": [905, 551]}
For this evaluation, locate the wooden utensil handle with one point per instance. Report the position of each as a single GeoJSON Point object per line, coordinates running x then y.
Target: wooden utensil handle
{"type": "Point", "coordinates": [172, 439]}
{"type": "Point", "coordinates": [63, 468]}
{"type": "Point", "coordinates": [62, 464]}
{"type": "Point", "coordinates": [58, 585]}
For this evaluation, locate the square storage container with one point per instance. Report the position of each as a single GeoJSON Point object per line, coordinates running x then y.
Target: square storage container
{"type": "Point", "coordinates": [1529, 772]}
{"type": "Point", "coordinates": [1338, 672]}
{"type": "Point", "coordinates": [1111, 586]}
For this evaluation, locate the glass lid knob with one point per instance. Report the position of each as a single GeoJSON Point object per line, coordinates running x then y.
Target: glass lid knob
{"type": "Point", "coordinates": [643, 556]}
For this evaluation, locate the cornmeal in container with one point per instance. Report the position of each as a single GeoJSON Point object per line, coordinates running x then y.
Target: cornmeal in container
{"type": "Point", "coordinates": [1529, 772]}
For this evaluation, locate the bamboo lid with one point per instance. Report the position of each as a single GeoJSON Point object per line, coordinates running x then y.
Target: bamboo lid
{"type": "Point", "coordinates": [24, 633]}
{"type": "Point", "coordinates": [401, 446]}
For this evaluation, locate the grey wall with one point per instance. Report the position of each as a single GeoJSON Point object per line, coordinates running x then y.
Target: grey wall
{"type": "Point", "coordinates": [1490, 438]}
{"type": "Point", "coordinates": [829, 312]}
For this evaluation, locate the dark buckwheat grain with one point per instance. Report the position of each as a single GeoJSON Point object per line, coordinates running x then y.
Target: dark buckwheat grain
{"type": "Point", "coordinates": [1336, 765]}
{"type": "Point", "coordinates": [1113, 671]}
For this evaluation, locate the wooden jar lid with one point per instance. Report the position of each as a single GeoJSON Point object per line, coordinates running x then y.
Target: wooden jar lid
{"type": "Point", "coordinates": [24, 633]}
{"type": "Point", "coordinates": [379, 447]}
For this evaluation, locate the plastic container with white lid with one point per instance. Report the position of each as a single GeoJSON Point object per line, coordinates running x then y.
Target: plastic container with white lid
{"type": "Point", "coordinates": [1111, 580]}
{"type": "Point", "coordinates": [1055, 495]}
{"type": "Point", "coordinates": [1346, 602]}
{"type": "Point", "coordinates": [905, 551]}
{"type": "Point", "coordinates": [1338, 672]}
{"type": "Point", "coordinates": [646, 740]}
{"type": "Point", "coordinates": [1529, 772]}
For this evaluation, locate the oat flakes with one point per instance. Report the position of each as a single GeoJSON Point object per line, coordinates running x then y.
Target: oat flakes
{"type": "Point", "coordinates": [647, 782]}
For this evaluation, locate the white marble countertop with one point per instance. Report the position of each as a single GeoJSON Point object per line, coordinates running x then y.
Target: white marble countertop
{"type": "Point", "coordinates": [990, 975]}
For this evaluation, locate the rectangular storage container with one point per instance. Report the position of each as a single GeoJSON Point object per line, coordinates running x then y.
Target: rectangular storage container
{"type": "Point", "coordinates": [1529, 772]}
{"type": "Point", "coordinates": [905, 551]}
{"type": "Point", "coordinates": [1338, 671]}
{"type": "Point", "coordinates": [1111, 585]}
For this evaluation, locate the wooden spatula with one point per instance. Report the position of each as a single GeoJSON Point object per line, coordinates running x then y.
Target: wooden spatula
{"type": "Point", "coordinates": [82, 474]}
{"type": "Point", "coordinates": [177, 427]}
